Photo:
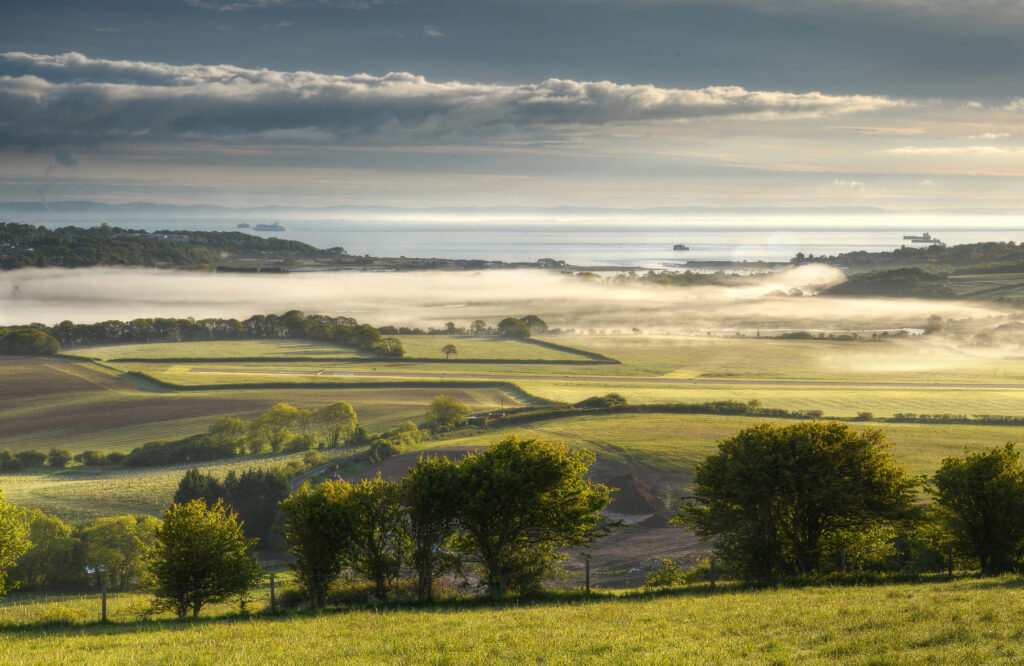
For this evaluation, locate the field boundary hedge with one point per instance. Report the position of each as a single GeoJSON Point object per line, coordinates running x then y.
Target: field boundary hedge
{"type": "Point", "coordinates": [594, 356]}
{"type": "Point", "coordinates": [357, 360]}
{"type": "Point", "coordinates": [509, 387]}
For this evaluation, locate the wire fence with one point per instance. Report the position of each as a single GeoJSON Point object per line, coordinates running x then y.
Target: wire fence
{"type": "Point", "coordinates": [281, 589]}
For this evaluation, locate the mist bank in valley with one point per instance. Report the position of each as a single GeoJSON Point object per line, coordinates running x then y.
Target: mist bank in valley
{"type": "Point", "coordinates": [782, 300]}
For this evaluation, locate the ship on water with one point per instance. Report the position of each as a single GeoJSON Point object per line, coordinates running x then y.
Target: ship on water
{"type": "Point", "coordinates": [680, 246]}
{"type": "Point", "coordinates": [923, 238]}
{"type": "Point", "coordinates": [270, 227]}
{"type": "Point", "coordinates": [242, 225]}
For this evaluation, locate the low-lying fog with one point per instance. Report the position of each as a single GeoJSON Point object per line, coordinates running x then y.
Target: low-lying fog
{"type": "Point", "coordinates": [433, 298]}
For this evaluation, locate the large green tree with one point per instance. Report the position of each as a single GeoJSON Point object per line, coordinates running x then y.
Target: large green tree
{"type": "Point", "coordinates": [317, 530]}
{"type": "Point", "coordinates": [334, 423]}
{"type": "Point", "coordinates": [50, 561]}
{"type": "Point", "coordinates": [272, 428]}
{"type": "Point", "coordinates": [201, 557]}
{"type": "Point", "coordinates": [14, 533]}
{"type": "Point", "coordinates": [444, 413]}
{"type": "Point", "coordinates": [430, 493]}
{"type": "Point", "coordinates": [772, 494]}
{"type": "Point", "coordinates": [520, 504]}
{"type": "Point", "coordinates": [981, 498]}
{"type": "Point", "coordinates": [378, 543]}
{"type": "Point", "coordinates": [115, 545]}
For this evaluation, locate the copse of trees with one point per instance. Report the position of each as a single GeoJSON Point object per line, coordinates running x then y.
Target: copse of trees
{"type": "Point", "coordinates": [24, 341]}
{"type": "Point", "coordinates": [281, 428]}
{"type": "Point", "coordinates": [254, 495]}
{"type": "Point", "coordinates": [509, 512]}
{"type": "Point", "coordinates": [772, 497]}
{"type": "Point", "coordinates": [343, 331]}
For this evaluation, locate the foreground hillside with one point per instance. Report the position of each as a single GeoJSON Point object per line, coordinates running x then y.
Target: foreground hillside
{"type": "Point", "coordinates": [962, 622]}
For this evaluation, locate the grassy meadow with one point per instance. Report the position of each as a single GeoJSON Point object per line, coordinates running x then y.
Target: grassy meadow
{"type": "Point", "coordinates": [965, 621]}
{"type": "Point", "coordinates": [676, 442]}
{"type": "Point", "coordinates": [83, 493]}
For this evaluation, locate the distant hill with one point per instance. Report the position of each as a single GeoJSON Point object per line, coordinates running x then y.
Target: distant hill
{"type": "Point", "coordinates": [24, 245]}
{"type": "Point", "coordinates": [935, 257]}
{"type": "Point", "coordinates": [896, 283]}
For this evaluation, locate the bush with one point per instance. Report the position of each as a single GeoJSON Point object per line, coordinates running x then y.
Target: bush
{"type": "Point", "coordinates": [668, 574]}
{"type": "Point", "coordinates": [91, 458]}
{"type": "Point", "coordinates": [8, 463]}
{"type": "Point", "coordinates": [31, 458]}
{"type": "Point", "coordinates": [59, 458]}
{"type": "Point", "coordinates": [602, 401]}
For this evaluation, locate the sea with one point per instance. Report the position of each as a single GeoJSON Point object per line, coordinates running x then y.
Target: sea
{"type": "Point", "coordinates": [608, 246]}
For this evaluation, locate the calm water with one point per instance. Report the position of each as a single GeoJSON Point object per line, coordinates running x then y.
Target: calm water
{"type": "Point", "coordinates": [604, 246]}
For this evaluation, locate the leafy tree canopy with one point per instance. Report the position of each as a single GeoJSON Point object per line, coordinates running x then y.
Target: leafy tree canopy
{"type": "Point", "coordinates": [200, 557]}
{"type": "Point", "coordinates": [981, 498]}
{"type": "Point", "coordinates": [772, 495]}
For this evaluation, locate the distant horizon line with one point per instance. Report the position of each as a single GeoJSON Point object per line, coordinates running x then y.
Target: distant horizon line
{"type": "Point", "coordinates": [80, 206]}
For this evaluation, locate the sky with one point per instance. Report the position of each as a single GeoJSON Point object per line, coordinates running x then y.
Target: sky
{"type": "Point", "coordinates": [904, 105]}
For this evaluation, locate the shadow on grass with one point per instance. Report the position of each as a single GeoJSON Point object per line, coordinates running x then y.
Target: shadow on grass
{"type": "Point", "coordinates": [546, 598]}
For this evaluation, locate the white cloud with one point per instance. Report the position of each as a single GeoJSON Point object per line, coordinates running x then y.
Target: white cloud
{"type": "Point", "coordinates": [71, 98]}
{"type": "Point", "coordinates": [957, 150]}
{"type": "Point", "coordinates": [990, 135]}
{"type": "Point", "coordinates": [432, 31]}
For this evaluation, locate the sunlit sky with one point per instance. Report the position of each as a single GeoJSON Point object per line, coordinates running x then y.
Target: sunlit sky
{"type": "Point", "coordinates": [906, 105]}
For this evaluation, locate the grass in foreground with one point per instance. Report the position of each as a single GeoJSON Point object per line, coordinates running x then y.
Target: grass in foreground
{"type": "Point", "coordinates": [962, 622]}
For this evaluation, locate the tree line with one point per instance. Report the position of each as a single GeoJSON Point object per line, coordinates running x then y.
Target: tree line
{"type": "Point", "coordinates": [501, 518]}
{"type": "Point", "coordinates": [343, 331]}
{"type": "Point", "coordinates": [819, 497]}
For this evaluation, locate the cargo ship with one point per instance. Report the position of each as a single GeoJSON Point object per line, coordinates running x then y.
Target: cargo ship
{"type": "Point", "coordinates": [270, 227]}
{"type": "Point", "coordinates": [680, 246]}
{"type": "Point", "coordinates": [923, 238]}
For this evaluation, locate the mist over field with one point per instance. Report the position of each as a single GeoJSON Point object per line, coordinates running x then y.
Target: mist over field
{"type": "Point", "coordinates": [781, 300]}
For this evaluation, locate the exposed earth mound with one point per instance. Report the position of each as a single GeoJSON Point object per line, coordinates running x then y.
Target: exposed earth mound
{"type": "Point", "coordinates": [633, 497]}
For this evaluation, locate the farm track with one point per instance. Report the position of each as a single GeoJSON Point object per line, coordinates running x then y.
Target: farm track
{"type": "Point", "coordinates": [617, 380]}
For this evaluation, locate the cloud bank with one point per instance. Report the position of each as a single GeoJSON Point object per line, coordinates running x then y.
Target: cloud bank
{"type": "Point", "coordinates": [73, 99]}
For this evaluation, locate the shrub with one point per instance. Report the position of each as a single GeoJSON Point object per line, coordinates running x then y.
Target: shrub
{"type": "Point", "coordinates": [602, 401]}
{"type": "Point", "coordinates": [90, 457]}
{"type": "Point", "coordinates": [31, 458]}
{"type": "Point", "coordinates": [59, 458]}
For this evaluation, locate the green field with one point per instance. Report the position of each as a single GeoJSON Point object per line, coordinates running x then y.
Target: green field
{"type": "Point", "coordinates": [676, 442]}
{"type": "Point", "coordinates": [415, 346]}
{"type": "Point", "coordinates": [74, 405]}
{"type": "Point", "coordinates": [1008, 287]}
{"type": "Point", "coordinates": [960, 622]}
{"type": "Point", "coordinates": [83, 493]}
{"type": "Point", "coordinates": [218, 349]}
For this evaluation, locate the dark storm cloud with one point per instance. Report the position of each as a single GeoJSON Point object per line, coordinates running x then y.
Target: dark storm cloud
{"type": "Point", "coordinates": [73, 99]}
